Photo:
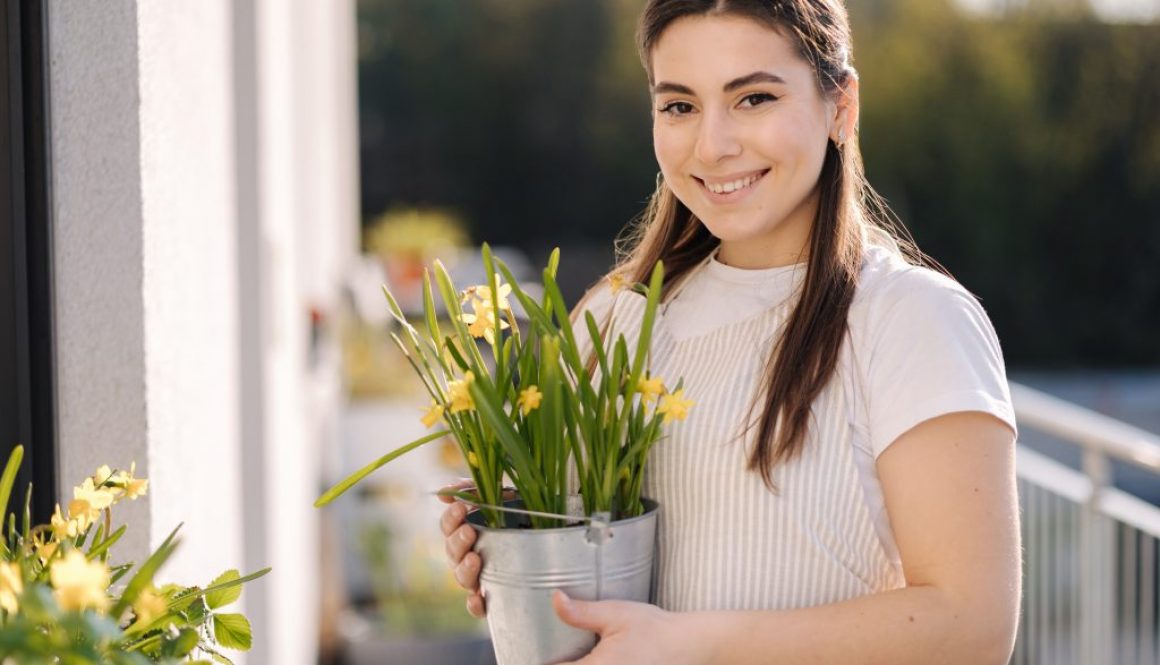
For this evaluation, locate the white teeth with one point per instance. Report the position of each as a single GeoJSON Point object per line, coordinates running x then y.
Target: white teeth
{"type": "Point", "coordinates": [730, 187]}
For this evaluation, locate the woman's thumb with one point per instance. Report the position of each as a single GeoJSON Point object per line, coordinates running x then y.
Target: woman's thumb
{"type": "Point", "coordinates": [577, 613]}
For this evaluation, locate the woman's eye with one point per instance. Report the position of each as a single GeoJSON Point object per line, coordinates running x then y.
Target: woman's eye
{"type": "Point", "coordinates": [757, 99]}
{"type": "Point", "coordinates": [677, 108]}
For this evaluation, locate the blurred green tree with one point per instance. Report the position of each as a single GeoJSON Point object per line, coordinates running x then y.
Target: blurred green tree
{"type": "Point", "coordinates": [1023, 151]}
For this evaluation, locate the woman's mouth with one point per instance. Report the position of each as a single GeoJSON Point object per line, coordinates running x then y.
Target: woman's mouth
{"type": "Point", "coordinates": [731, 190]}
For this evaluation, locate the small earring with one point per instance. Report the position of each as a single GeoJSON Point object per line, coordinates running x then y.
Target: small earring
{"type": "Point", "coordinates": [841, 136]}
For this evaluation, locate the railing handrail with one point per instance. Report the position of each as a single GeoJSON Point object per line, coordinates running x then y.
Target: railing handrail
{"type": "Point", "coordinates": [1089, 429]}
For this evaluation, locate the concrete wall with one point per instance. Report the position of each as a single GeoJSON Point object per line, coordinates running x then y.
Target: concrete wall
{"type": "Point", "coordinates": [205, 199]}
{"type": "Point", "coordinates": [99, 245]}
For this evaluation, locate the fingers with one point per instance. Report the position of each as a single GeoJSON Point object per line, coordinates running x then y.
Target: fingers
{"type": "Point", "coordinates": [459, 543]}
{"type": "Point", "coordinates": [458, 539]}
{"type": "Point", "coordinates": [475, 606]}
{"type": "Point", "coordinates": [452, 518]}
{"type": "Point", "coordinates": [467, 572]}
{"type": "Point", "coordinates": [461, 484]}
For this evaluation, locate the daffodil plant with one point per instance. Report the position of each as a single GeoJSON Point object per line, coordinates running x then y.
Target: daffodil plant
{"type": "Point", "coordinates": [62, 601]}
{"type": "Point", "coordinates": [543, 403]}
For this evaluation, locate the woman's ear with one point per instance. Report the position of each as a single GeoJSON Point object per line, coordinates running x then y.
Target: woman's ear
{"type": "Point", "coordinates": [845, 111]}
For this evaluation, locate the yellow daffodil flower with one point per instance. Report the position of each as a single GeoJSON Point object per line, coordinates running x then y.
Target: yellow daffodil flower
{"type": "Point", "coordinates": [136, 487]}
{"type": "Point", "coordinates": [63, 527]}
{"type": "Point", "coordinates": [473, 459]}
{"type": "Point", "coordinates": [11, 586]}
{"type": "Point", "coordinates": [459, 394]}
{"type": "Point", "coordinates": [483, 293]}
{"type": "Point", "coordinates": [482, 322]}
{"type": "Point", "coordinates": [674, 406]}
{"type": "Point", "coordinates": [82, 515]}
{"type": "Point", "coordinates": [103, 475]}
{"type": "Point", "coordinates": [650, 388]}
{"type": "Point", "coordinates": [79, 583]}
{"type": "Point", "coordinates": [46, 550]}
{"type": "Point", "coordinates": [529, 400]}
{"type": "Point", "coordinates": [99, 498]}
{"type": "Point", "coordinates": [434, 413]}
{"type": "Point", "coordinates": [149, 605]}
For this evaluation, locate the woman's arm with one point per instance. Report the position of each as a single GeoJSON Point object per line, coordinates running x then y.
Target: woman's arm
{"type": "Point", "coordinates": [949, 485]}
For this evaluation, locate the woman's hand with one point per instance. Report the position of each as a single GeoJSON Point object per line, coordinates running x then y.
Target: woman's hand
{"type": "Point", "coordinates": [635, 633]}
{"type": "Point", "coordinates": [458, 540]}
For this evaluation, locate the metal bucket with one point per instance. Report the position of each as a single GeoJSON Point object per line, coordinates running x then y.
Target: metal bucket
{"type": "Point", "coordinates": [523, 566]}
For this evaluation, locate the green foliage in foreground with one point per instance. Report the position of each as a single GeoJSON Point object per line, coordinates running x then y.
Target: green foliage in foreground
{"type": "Point", "coordinates": [62, 602]}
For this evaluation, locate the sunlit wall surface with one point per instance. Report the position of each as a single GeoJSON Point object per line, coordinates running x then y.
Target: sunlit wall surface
{"type": "Point", "coordinates": [204, 209]}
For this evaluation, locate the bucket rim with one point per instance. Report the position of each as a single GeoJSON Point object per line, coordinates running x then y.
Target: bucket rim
{"type": "Point", "coordinates": [651, 509]}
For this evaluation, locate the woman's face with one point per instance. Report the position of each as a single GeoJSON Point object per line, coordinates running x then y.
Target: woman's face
{"type": "Point", "coordinates": [740, 132]}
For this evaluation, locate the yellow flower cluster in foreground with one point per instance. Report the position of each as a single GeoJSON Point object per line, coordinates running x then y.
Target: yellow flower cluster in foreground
{"type": "Point", "coordinates": [80, 584]}
{"type": "Point", "coordinates": [77, 583]}
{"type": "Point", "coordinates": [98, 492]}
{"type": "Point", "coordinates": [11, 586]}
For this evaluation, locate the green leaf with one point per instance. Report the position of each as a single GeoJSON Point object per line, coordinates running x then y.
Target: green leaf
{"type": "Point", "coordinates": [7, 480]}
{"type": "Point", "coordinates": [338, 490]}
{"type": "Point", "coordinates": [218, 657]}
{"type": "Point", "coordinates": [656, 283]}
{"type": "Point", "coordinates": [184, 598]}
{"type": "Point", "coordinates": [194, 592]}
{"type": "Point", "coordinates": [185, 642]}
{"type": "Point", "coordinates": [118, 572]}
{"type": "Point", "coordinates": [144, 574]}
{"type": "Point", "coordinates": [197, 613]}
{"type": "Point", "coordinates": [232, 631]}
{"type": "Point", "coordinates": [102, 547]}
{"type": "Point", "coordinates": [224, 596]}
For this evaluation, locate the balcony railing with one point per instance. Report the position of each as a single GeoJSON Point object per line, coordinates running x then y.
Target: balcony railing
{"type": "Point", "coordinates": [1090, 550]}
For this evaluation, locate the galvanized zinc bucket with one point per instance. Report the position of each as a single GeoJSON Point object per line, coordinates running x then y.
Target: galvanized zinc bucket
{"type": "Point", "coordinates": [523, 566]}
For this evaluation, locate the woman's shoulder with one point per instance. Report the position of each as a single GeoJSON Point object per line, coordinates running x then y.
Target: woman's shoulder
{"type": "Point", "coordinates": [889, 286]}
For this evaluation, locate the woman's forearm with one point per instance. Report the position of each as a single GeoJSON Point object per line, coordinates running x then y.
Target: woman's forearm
{"type": "Point", "coordinates": [918, 624]}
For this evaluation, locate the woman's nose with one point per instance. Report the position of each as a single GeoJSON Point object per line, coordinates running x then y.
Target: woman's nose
{"type": "Point", "coordinates": [717, 138]}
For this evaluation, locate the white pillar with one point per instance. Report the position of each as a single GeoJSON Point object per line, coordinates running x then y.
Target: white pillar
{"type": "Point", "coordinates": [204, 198]}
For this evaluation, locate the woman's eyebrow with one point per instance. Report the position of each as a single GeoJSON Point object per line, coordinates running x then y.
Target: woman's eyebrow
{"type": "Point", "coordinates": [750, 79]}
{"type": "Point", "coordinates": [739, 82]}
{"type": "Point", "coordinates": [666, 86]}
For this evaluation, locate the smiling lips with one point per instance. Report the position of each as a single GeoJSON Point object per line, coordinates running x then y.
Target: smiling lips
{"type": "Point", "coordinates": [724, 189]}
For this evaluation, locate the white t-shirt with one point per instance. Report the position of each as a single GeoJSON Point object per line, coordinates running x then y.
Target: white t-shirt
{"type": "Point", "coordinates": [919, 346]}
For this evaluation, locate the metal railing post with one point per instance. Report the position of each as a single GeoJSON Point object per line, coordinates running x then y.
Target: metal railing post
{"type": "Point", "coordinates": [1097, 582]}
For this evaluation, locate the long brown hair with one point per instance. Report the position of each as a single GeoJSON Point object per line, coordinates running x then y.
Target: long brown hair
{"type": "Point", "coordinates": [805, 356]}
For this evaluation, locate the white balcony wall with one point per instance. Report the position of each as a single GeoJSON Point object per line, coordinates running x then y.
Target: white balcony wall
{"type": "Point", "coordinates": [204, 201]}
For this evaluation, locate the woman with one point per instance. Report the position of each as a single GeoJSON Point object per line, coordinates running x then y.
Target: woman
{"type": "Point", "coordinates": [844, 491]}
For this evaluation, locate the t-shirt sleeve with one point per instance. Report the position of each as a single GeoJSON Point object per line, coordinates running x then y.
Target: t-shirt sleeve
{"type": "Point", "coordinates": [931, 351]}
